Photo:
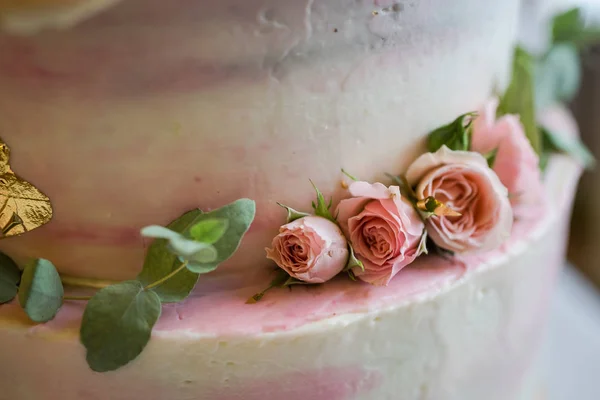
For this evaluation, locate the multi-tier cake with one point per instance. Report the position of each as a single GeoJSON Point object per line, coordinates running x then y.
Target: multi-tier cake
{"type": "Point", "coordinates": [117, 116]}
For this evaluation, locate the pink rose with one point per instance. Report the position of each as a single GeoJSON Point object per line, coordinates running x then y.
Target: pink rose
{"type": "Point", "coordinates": [384, 229]}
{"type": "Point", "coordinates": [516, 163]}
{"type": "Point", "coordinates": [463, 181]}
{"type": "Point", "coordinates": [311, 249]}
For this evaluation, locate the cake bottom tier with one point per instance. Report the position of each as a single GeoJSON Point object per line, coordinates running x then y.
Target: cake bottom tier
{"type": "Point", "coordinates": [460, 329]}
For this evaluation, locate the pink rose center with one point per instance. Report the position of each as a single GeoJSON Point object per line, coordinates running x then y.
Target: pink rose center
{"type": "Point", "coordinates": [466, 191]}
{"type": "Point", "coordinates": [378, 239]}
{"type": "Point", "coordinates": [377, 235]}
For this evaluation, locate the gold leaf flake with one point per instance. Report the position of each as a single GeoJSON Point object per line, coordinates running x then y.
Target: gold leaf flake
{"type": "Point", "coordinates": [22, 206]}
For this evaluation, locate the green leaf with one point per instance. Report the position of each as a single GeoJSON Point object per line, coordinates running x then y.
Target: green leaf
{"type": "Point", "coordinates": [566, 27]}
{"type": "Point", "coordinates": [353, 262]}
{"type": "Point", "coordinates": [555, 142]}
{"type": "Point", "coordinates": [279, 280]}
{"type": "Point", "coordinates": [569, 27]}
{"type": "Point", "coordinates": [456, 135]}
{"type": "Point", "coordinates": [351, 177]}
{"type": "Point", "coordinates": [322, 208]}
{"type": "Point", "coordinates": [405, 189]}
{"type": "Point", "coordinates": [422, 249]}
{"type": "Point", "coordinates": [293, 214]}
{"type": "Point", "coordinates": [491, 157]}
{"type": "Point", "coordinates": [186, 249]}
{"type": "Point", "coordinates": [10, 276]}
{"type": "Point", "coordinates": [201, 268]}
{"type": "Point", "coordinates": [557, 76]}
{"type": "Point", "coordinates": [351, 275]}
{"type": "Point", "coordinates": [210, 230]}
{"type": "Point", "coordinates": [117, 324]}
{"type": "Point", "coordinates": [41, 290]}
{"type": "Point", "coordinates": [519, 97]}
{"type": "Point", "coordinates": [160, 261]}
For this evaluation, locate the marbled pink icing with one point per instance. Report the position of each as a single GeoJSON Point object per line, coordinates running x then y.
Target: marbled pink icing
{"type": "Point", "coordinates": [342, 383]}
{"type": "Point", "coordinates": [463, 327]}
{"type": "Point", "coordinates": [149, 109]}
{"type": "Point", "coordinates": [224, 312]}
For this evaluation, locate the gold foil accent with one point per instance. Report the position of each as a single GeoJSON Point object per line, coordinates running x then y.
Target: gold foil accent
{"type": "Point", "coordinates": [22, 206]}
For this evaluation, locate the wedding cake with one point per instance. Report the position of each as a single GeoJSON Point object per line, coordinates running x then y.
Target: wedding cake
{"type": "Point", "coordinates": [151, 150]}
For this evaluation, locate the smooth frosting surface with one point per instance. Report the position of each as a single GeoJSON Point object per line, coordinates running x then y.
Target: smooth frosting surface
{"type": "Point", "coordinates": [147, 110]}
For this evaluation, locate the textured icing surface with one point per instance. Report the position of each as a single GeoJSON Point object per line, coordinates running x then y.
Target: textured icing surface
{"type": "Point", "coordinates": [148, 110]}
{"type": "Point", "coordinates": [442, 330]}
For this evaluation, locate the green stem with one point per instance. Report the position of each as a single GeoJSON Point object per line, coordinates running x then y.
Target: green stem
{"type": "Point", "coordinates": [77, 297]}
{"type": "Point", "coordinates": [85, 282]}
{"type": "Point", "coordinates": [166, 278]}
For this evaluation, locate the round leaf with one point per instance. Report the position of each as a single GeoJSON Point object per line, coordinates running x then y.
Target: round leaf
{"type": "Point", "coordinates": [41, 291]}
{"type": "Point", "coordinates": [210, 230]}
{"type": "Point", "coordinates": [158, 232]}
{"type": "Point", "coordinates": [160, 261]}
{"type": "Point", "coordinates": [10, 276]}
{"type": "Point", "coordinates": [191, 250]}
{"type": "Point", "coordinates": [117, 324]}
{"type": "Point", "coordinates": [201, 268]}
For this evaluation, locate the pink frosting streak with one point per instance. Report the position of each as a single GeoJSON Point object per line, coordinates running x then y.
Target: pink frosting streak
{"type": "Point", "coordinates": [325, 384]}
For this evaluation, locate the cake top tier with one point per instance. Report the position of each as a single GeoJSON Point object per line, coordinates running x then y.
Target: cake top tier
{"type": "Point", "coordinates": [147, 110]}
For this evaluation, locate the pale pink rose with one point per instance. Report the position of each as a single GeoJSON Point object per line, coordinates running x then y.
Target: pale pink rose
{"type": "Point", "coordinates": [311, 249]}
{"type": "Point", "coordinates": [384, 229]}
{"type": "Point", "coordinates": [516, 164]}
{"type": "Point", "coordinates": [463, 181]}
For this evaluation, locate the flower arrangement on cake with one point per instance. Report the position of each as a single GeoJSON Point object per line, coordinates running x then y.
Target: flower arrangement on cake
{"type": "Point", "coordinates": [481, 172]}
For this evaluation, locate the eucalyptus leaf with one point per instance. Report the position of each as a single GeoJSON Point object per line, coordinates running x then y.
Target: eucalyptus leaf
{"type": "Point", "coordinates": [186, 249]}
{"type": "Point", "coordinates": [293, 214]}
{"type": "Point", "coordinates": [209, 230]}
{"type": "Point", "coordinates": [10, 276]}
{"type": "Point", "coordinates": [160, 261]}
{"type": "Point", "coordinates": [519, 98]}
{"type": "Point", "coordinates": [557, 76]}
{"type": "Point", "coordinates": [322, 208]}
{"type": "Point", "coordinates": [201, 268]}
{"type": "Point", "coordinates": [117, 324]}
{"type": "Point", "coordinates": [556, 142]}
{"type": "Point", "coordinates": [41, 291]}
{"type": "Point", "coordinates": [456, 135]}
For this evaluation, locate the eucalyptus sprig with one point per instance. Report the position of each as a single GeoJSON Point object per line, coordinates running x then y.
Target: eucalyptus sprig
{"type": "Point", "coordinates": [118, 320]}
{"type": "Point", "coordinates": [38, 287]}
